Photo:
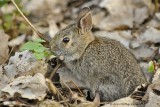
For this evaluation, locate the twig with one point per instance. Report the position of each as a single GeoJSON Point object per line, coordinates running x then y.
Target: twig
{"type": "Point", "coordinates": [8, 56]}
{"type": "Point", "coordinates": [51, 86]}
{"type": "Point", "coordinates": [54, 71]}
{"type": "Point", "coordinates": [156, 5]}
{"type": "Point", "coordinates": [63, 97]}
{"type": "Point", "coordinates": [77, 88]}
{"type": "Point", "coordinates": [67, 87]}
{"type": "Point", "coordinates": [34, 29]}
{"type": "Point", "coordinates": [54, 90]}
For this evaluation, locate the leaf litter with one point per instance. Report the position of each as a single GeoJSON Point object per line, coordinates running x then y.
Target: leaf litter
{"type": "Point", "coordinates": [22, 80]}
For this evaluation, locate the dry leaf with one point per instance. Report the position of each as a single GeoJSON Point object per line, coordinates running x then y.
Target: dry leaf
{"type": "Point", "coordinates": [152, 95]}
{"type": "Point", "coordinates": [151, 35]}
{"type": "Point", "coordinates": [4, 81]}
{"type": "Point", "coordinates": [125, 14]}
{"type": "Point", "coordinates": [28, 87]}
{"type": "Point", "coordinates": [123, 37]}
{"type": "Point", "coordinates": [50, 103]}
{"type": "Point", "coordinates": [144, 68]}
{"type": "Point", "coordinates": [125, 102]}
{"type": "Point", "coordinates": [3, 46]}
{"type": "Point", "coordinates": [17, 41]}
{"type": "Point", "coordinates": [24, 63]}
{"type": "Point", "coordinates": [144, 52]}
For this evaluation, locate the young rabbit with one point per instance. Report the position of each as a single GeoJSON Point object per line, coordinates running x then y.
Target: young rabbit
{"type": "Point", "coordinates": [104, 65]}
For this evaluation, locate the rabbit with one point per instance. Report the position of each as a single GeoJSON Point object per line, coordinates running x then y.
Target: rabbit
{"type": "Point", "coordinates": [104, 65]}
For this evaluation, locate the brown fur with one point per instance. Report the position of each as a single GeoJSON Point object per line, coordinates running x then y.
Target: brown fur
{"type": "Point", "coordinates": [101, 64]}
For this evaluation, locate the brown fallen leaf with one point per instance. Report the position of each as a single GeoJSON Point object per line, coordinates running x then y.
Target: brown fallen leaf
{"type": "Point", "coordinates": [123, 14]}
{"type": "Point", "coordinates": [27, 87]}
{"type": "Point", "coordinates": [24, 63]}
{"type": "Point", "coordinates": [50, 103]}
{"type": "Point", "coordinates": [3, 46]}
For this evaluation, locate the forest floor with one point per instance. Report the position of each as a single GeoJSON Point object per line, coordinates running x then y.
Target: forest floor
{"type": "Point", "coordinates": [24, 58]}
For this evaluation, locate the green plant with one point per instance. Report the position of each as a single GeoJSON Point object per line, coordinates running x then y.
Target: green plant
{"type": "Point", "coordinates": [151, 67]}
{"type": "Point", "coordinates": [3, 2]}
{"type": "Point", "coordinates": [37, 48]}
{"type": "Point", "coordinates": [11, 21]}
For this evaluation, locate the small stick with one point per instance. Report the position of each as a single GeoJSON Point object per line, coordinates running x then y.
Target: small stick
{"type": "Point", "coordinates": [8, 56]}
{"type": "Point", "coordinates": [63, 97]}
{"type": "Point", "coordinates": [77, 88]}
{"type": "Point", "coordinates": [51, 86]}
{"type": "Point", "coordinates": [156, 5]}
{"type": "Point", "coordinates": [54, 90]}
{"type": "Point", "coordinates": [54, 71]}
{"type": "Point", "coordinates": [67, 87]}
{"type": "Point", "coordinates": [34, 29]}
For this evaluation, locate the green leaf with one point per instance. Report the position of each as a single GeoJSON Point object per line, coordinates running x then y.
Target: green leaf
{"type": "Point", "coordinates": [22, 26]}
{"type": "Point", "coordinates": [7, 21]}
{"type": "Point", "coordinates": [39, 55]}
{"type": "Point", "coordinates": [1, 27]}
{"type": "Point", "coordinates": [151, 67]}
{"type": "Point", "coordinates": [3, 2]}
{"type": "Point", "coordinates": [31, 46]}
{"type": "Point", "coordinates": [39, 40]}
{"type": "Point", "coordinates": [39, 49]}
{"type": "Point", "coordinates": [47, 52]}
{"type": "Point", "coordinates": [18, 1]}
{"type": "Point", "coordinates": [7, 17]}
{"type": "Point", "coordinates": [7, 25]}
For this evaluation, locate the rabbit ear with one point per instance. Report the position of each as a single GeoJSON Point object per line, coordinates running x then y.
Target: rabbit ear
{"type": "Point", "coordinates": [85, 20]}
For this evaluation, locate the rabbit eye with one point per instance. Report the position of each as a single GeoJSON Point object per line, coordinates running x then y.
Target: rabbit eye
{"type": "Point", "coordinates": [66, 40]}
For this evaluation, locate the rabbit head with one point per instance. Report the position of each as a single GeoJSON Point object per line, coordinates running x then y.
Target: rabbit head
{"type": "Point", "coordinates": [70, 42]}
